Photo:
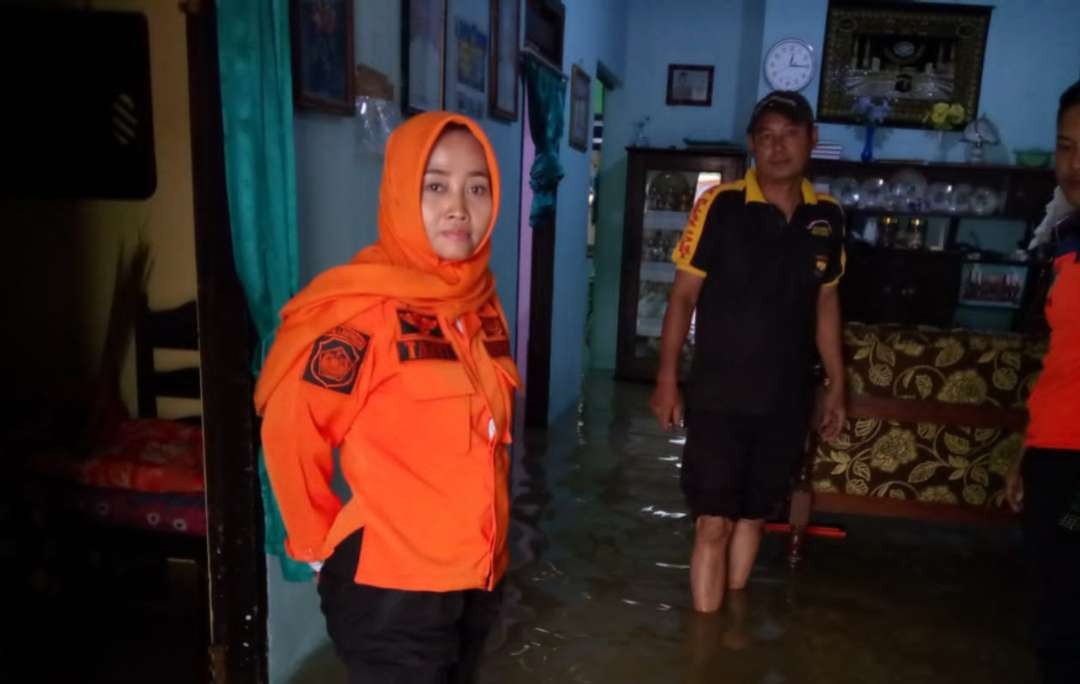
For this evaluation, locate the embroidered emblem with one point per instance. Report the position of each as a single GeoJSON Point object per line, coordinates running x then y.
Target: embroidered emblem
{"type": "Point", "coordinates": [335, 359]}
{"type": "Point", "coordinates": [820, 228]}
{"type": "Point", "coordinates": [415, 323]}
{"type": "Point", "coordinates": [415, 350]}
{"type": "Point", "coordinates": [821, 263]}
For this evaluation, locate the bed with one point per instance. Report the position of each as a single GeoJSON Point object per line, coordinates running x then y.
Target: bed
{"type": "Point", "coordinates": [138, 486]}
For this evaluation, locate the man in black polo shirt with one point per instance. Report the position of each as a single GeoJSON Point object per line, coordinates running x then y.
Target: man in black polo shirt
{"type": "Point", "coordinates": [759, 260]}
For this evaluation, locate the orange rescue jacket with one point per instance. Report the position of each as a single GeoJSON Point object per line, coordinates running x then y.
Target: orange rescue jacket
{"type": "Point", "coordinates": [1054, 405]}
{"type": "Point", "coordinates": [402, 362]}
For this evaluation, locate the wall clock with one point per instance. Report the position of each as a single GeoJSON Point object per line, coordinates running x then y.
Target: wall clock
{"type": "Point", "coordinates": [789, 64]}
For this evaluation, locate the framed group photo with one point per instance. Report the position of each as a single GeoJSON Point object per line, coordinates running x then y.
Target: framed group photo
{"type": "Point", "coordinates": [322, 55]}
{"type": "Point", "coordinates": [423, 55]}
{"type": "Point", "coordinates": [993, 285]}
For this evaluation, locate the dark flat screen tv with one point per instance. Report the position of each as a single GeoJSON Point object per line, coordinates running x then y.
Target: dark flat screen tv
{"type": "Point", "coordinates": [76, 119]}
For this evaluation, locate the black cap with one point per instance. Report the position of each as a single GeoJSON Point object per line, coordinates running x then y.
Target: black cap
{"type": "Point", "coordinates": [787, 102]}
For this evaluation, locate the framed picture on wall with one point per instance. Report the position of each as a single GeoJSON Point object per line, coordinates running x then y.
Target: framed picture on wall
{"type": "Point", "coordinates": [690, 84]}
{"type": "Point", "coordinates": [472, 45]}
{"type": "Point", "coordinates": [503, 92]}
{"type": "Point", "coordinates": [580, 96]}
{"type": "Point", "coordinates": [995, 285]}
{"type": "Point", "coordinates": [423, 55]}
{"type": "Point", "coordinates": [913, 54]}
{"type": "Point", "coordinates": [322, 55]}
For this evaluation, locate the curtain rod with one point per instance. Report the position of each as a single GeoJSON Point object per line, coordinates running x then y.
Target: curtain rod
{"type": "Point", "coordinates": [529, 52]}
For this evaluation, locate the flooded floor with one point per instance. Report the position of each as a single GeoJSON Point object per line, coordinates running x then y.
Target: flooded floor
{"type": "Point", "coordinates": [598, 588]}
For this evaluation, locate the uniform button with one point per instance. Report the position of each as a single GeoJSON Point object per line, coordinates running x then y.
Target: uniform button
{"type": "Point", "coordinates": [491, 429]}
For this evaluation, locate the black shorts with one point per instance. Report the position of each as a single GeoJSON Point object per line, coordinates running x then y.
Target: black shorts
{"type": "Point", "coordinates": [741, 467]}
{"type": "Point", "coordinates": [391, 635]}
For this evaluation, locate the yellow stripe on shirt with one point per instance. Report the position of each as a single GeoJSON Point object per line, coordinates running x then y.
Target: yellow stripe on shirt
{"type": "Point", "coordinates": [684, 251]}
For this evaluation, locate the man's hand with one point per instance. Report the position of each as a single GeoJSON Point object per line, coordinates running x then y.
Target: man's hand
{"type": "Point", "coordinates": [666, 404]}
{"type": "Point", "coordinates": [833, 413]}
{"type": "Point", "coordinates": [1014, 484]}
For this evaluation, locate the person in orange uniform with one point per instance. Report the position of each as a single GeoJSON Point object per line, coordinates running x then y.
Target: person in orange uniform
{"type": "Point", "coordinates": [401, 360]}
{"type": "Point", "coordinates": [1044, 482]}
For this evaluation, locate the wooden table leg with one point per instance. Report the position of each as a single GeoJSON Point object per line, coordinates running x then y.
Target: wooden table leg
{"type": "Point", "coordinates": [802, 501]}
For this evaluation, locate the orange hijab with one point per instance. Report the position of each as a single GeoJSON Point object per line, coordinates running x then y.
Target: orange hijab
{"type": "Point", "coordinates": [401, 265]}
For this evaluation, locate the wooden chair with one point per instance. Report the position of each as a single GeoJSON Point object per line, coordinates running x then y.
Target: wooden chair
{"type": "Point", "coordinates": [167, 329]}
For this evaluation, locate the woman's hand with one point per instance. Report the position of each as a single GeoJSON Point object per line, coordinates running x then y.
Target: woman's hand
{"type": "Point", "coordinates": [1014, 484]}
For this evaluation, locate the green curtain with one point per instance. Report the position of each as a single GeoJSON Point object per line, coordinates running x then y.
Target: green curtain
{"type": "Point", "coordinates": [546, 90]}
{"type": "Point", "coordinates": [257, 112]}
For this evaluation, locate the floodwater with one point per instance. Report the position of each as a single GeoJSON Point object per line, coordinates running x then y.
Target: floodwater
{"type": "Point", "coordinates": [598, 589]}
{"type": "Point", "coordinates": [598, 586]}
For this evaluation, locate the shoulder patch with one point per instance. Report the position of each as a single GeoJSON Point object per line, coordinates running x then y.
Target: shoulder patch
{"type": "Point", "coordinates": [335, 359]}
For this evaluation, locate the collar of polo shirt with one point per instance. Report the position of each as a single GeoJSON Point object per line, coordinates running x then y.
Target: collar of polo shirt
{"type": "Point", "coordinates": [754, 194]}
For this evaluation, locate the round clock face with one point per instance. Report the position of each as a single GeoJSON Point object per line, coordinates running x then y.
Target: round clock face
{"type": "Point", "coordinates": [789, 65]}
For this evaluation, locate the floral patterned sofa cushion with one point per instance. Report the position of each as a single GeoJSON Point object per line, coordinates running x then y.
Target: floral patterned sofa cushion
{"type": "Point", "coordinates": [929, 462]}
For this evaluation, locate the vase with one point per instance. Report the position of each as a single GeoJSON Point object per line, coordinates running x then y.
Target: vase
{"type": "Point", "coordinates": [942, 147]}
{"type": "Point", "coordinates": [868, 147]}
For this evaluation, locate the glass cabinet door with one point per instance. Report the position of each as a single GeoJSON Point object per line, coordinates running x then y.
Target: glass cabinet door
{"type": "Point", "coordinates": [669, 197]}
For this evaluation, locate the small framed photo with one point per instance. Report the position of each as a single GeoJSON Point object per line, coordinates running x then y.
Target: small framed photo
{"type": "Point", "coordinates": [423, 55]}
{"type": "Point", "coordinates": [690, 84]}
{"type": "Point", "coordinates": [995, 285]}
{"type": "Point", "coordinates": [322, 55]}
{"type": "Point", "coordinates": [472, 45]}
{"type": "Point", "coordinates": [503, 93]}
{"type": "Point", "coordinates": [580, 95]}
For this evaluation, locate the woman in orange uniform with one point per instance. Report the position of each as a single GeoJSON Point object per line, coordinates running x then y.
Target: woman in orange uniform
{"type": "Point", "coordinates": [401, 360]}
{"type": "Point", "coordinates": [1045, 480]}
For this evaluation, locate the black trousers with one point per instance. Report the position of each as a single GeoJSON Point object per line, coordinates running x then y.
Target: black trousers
{"type": "Point", "coordinates": [1051, 485]}
{"type": "Point", "coordinates": [389, 636]}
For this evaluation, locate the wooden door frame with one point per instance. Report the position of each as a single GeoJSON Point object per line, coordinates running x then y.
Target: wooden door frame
{"type": "Point", "coordinates": [541, 311]}
{"type": "Point", "coordinates": [237, 562]}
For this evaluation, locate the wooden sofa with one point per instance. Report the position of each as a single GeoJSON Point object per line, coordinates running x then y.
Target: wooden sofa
{"type": "Point", "coordinates": [935, 417]}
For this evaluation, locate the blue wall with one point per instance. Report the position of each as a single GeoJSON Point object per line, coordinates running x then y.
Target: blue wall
{"type": "Point", "coordinates": [595, 32]}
